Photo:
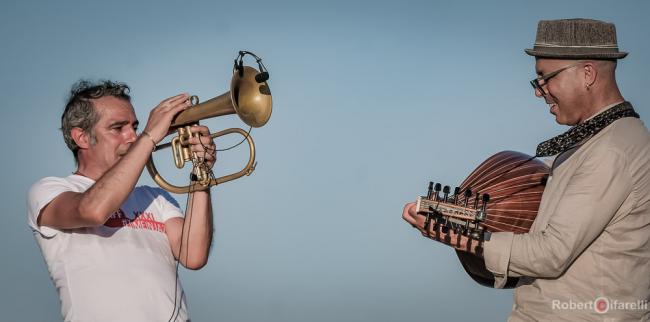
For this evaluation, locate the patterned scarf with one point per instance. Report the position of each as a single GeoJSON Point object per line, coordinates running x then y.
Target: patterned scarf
{"type": "Point", "coordinates": [585, 130]}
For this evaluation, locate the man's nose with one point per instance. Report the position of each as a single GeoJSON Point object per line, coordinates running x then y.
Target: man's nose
{"type": "Point", "coordinates": [541, 93]}
{"type": "Point", "coordinates": [548, 99]}
{"type": "Point", "coordinates": [131, 136]}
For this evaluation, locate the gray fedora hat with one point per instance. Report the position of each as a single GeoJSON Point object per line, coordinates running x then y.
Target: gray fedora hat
{"type": "Point", "coordinates": [576, 39]}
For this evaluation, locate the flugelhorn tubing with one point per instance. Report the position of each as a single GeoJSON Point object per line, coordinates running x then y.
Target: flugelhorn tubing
{"type": "Point", "coordinates": [217, 106]}
{"type": "Point", "coordinates": [247, 170]}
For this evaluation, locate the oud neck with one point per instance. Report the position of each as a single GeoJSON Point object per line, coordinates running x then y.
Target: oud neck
{"type": "Point", "coordinates": [425, 205]}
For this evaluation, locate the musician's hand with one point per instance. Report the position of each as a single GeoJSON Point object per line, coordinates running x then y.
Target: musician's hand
{"type": "Point", "coordinates": [160, 118]}
{"type": "Point", "coordinates": [457, 241]}
{"type": "Point", "coordinates": [409, 214]}
{"type": "Point", "coordinates": [203, 145]}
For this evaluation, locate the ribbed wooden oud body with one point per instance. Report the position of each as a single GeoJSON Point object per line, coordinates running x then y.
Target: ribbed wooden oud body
{"type": "Point", "coordinates": [515, 183]}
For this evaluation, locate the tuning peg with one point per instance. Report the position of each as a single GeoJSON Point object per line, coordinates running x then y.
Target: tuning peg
{"type": "Point", "coordinates": [437, 190]}
{"type": "Point", "coordinates": [436, 225]}
{"type": "Point", "coordinates": [486, 198]}
{"type": "Point", "coordinates": [458, 229]}
{"type": "Point", "coordinates": [468, 193]}
{"type": "Point", "coordinates": [476, 200]}
{"type": "Point", "coordinates": [430, 190]}
{"type": "Point", "coordinates": [456, 192]}
{"type": "Point", "coordinates": [459, 235]}
{"type": "Point", "coordinates": [480, 216]}
{"type": "Point", "coordinates": [444, 227]}
{"type": "Point", "coordinates": [427, 222]}
{"type": "Point", "coordinates": [434, 219]}
{"type": "Point", "coordinates": [445, 192]}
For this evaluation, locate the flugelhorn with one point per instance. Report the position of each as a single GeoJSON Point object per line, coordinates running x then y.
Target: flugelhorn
{"type": "Point", "coordinates": [249, 97]}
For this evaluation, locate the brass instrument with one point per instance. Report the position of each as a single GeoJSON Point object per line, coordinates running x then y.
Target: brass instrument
{"type": "Point", "coordinates": [249, 97]}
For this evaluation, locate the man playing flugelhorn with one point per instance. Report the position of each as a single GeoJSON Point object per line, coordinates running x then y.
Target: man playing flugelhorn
{"type": "Point", "coordinates": [111, 247]}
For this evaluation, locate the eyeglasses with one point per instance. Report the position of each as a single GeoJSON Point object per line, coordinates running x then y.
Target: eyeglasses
{"type": "Point", "coordinates": [540, 81]}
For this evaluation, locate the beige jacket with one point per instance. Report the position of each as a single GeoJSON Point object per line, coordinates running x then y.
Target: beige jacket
{"type": "Point", "coordinates": [587, 255]}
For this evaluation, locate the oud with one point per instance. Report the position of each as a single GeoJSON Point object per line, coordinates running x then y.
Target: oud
{"type": "Point", "coordinates": [502, 194]}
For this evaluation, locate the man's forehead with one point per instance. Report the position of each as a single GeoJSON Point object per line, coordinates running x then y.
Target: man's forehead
{"type": "Point", "coordinates": [113, 107]}
{"type": "Point", "coordinates": [546, 65]}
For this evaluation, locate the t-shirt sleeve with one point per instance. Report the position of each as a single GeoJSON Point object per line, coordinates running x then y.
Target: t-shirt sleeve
{"type": "Point", "coordinates": [40, 195]}
{"type": "Point", "coordinates": [169, 207]}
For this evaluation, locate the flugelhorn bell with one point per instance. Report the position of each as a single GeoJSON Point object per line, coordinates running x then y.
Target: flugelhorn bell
{"type": "Point", "coordinates": [248, 97]}
{"type": "Point", "coordinates": [250, 100]}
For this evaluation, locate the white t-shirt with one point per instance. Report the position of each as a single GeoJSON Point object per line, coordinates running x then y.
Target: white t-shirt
{"type": "Point", "coordinates": [123, 270]}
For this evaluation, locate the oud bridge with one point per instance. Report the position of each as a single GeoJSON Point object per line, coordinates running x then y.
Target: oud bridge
{"type": "Point", "coordinates": [462, 213]}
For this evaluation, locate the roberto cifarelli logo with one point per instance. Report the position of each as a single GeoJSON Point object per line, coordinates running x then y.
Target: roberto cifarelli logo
{"type": "Point", "coordinates": [600, 305]}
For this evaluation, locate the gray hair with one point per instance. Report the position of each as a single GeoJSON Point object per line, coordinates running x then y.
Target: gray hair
{"type": "Point", "coordinates": [80, 112]}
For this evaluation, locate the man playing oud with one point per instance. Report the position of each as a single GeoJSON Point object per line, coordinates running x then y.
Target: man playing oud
{"type": "Point", "coordinates": [590, 241]}
{"type": "Point", "coordinates": [111, 247]}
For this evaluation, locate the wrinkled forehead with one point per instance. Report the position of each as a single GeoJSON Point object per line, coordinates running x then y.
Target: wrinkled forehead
{"type": "Point", "coordinates": [111, 108]}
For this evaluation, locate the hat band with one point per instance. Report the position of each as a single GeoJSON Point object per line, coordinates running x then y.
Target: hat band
{"type": "Point", "coordinates": [575, 49]}
{"type": "Point", "coordinates": [581, 46]}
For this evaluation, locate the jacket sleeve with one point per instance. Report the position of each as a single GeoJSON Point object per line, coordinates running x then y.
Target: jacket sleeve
{"type": "Point", "coordinates": [593, 195]}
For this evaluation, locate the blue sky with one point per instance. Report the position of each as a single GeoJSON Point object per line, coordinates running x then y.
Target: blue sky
{"type": "Point", "coordinates": [372, 100]}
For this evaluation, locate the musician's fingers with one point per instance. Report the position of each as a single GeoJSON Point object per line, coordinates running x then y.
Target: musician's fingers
{"type": "Point", "coordinates": [176, 99]}
{"type": "Point", "coordinates": [203, 147]}
{"type": "Point", "coordinates": [205, 155]}
{"type": "Point", "coordinates": [433, 230]}
{"type": "Point", "coordinates": [455, 240]}
{"type": "Point", "coordinates": [203, 139]}
{"type": "Point", "coordinates": [452, 238]}
{"type": "Point", "coordinates": [174, 104]}
{"type": "Point", "coordinates": [203, 130]}
{"type": "Point", "coordinates": [416, 221]}
{"type": "Point", "coordinates": [435, 234]}
{"type": "Point", "coordinates": [411, 210]}
{"type": "Point", "coordinates": [420, 222]}
{"type": "Point", "coordinates": [466, 243]}
{"type": "Point", "coordinates": [406, 215]}
{"type": "Point", "coordinates": [166, 103]}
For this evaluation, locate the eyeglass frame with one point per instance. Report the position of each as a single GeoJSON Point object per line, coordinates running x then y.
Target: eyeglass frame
{"type": "Point", "coordinates": [545, 78]}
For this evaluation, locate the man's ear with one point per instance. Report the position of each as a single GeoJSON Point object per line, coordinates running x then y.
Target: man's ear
{"type": "Point", "coordinates": [80, 137]}
{"type": "Point", "coordinates": [591, 73]}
